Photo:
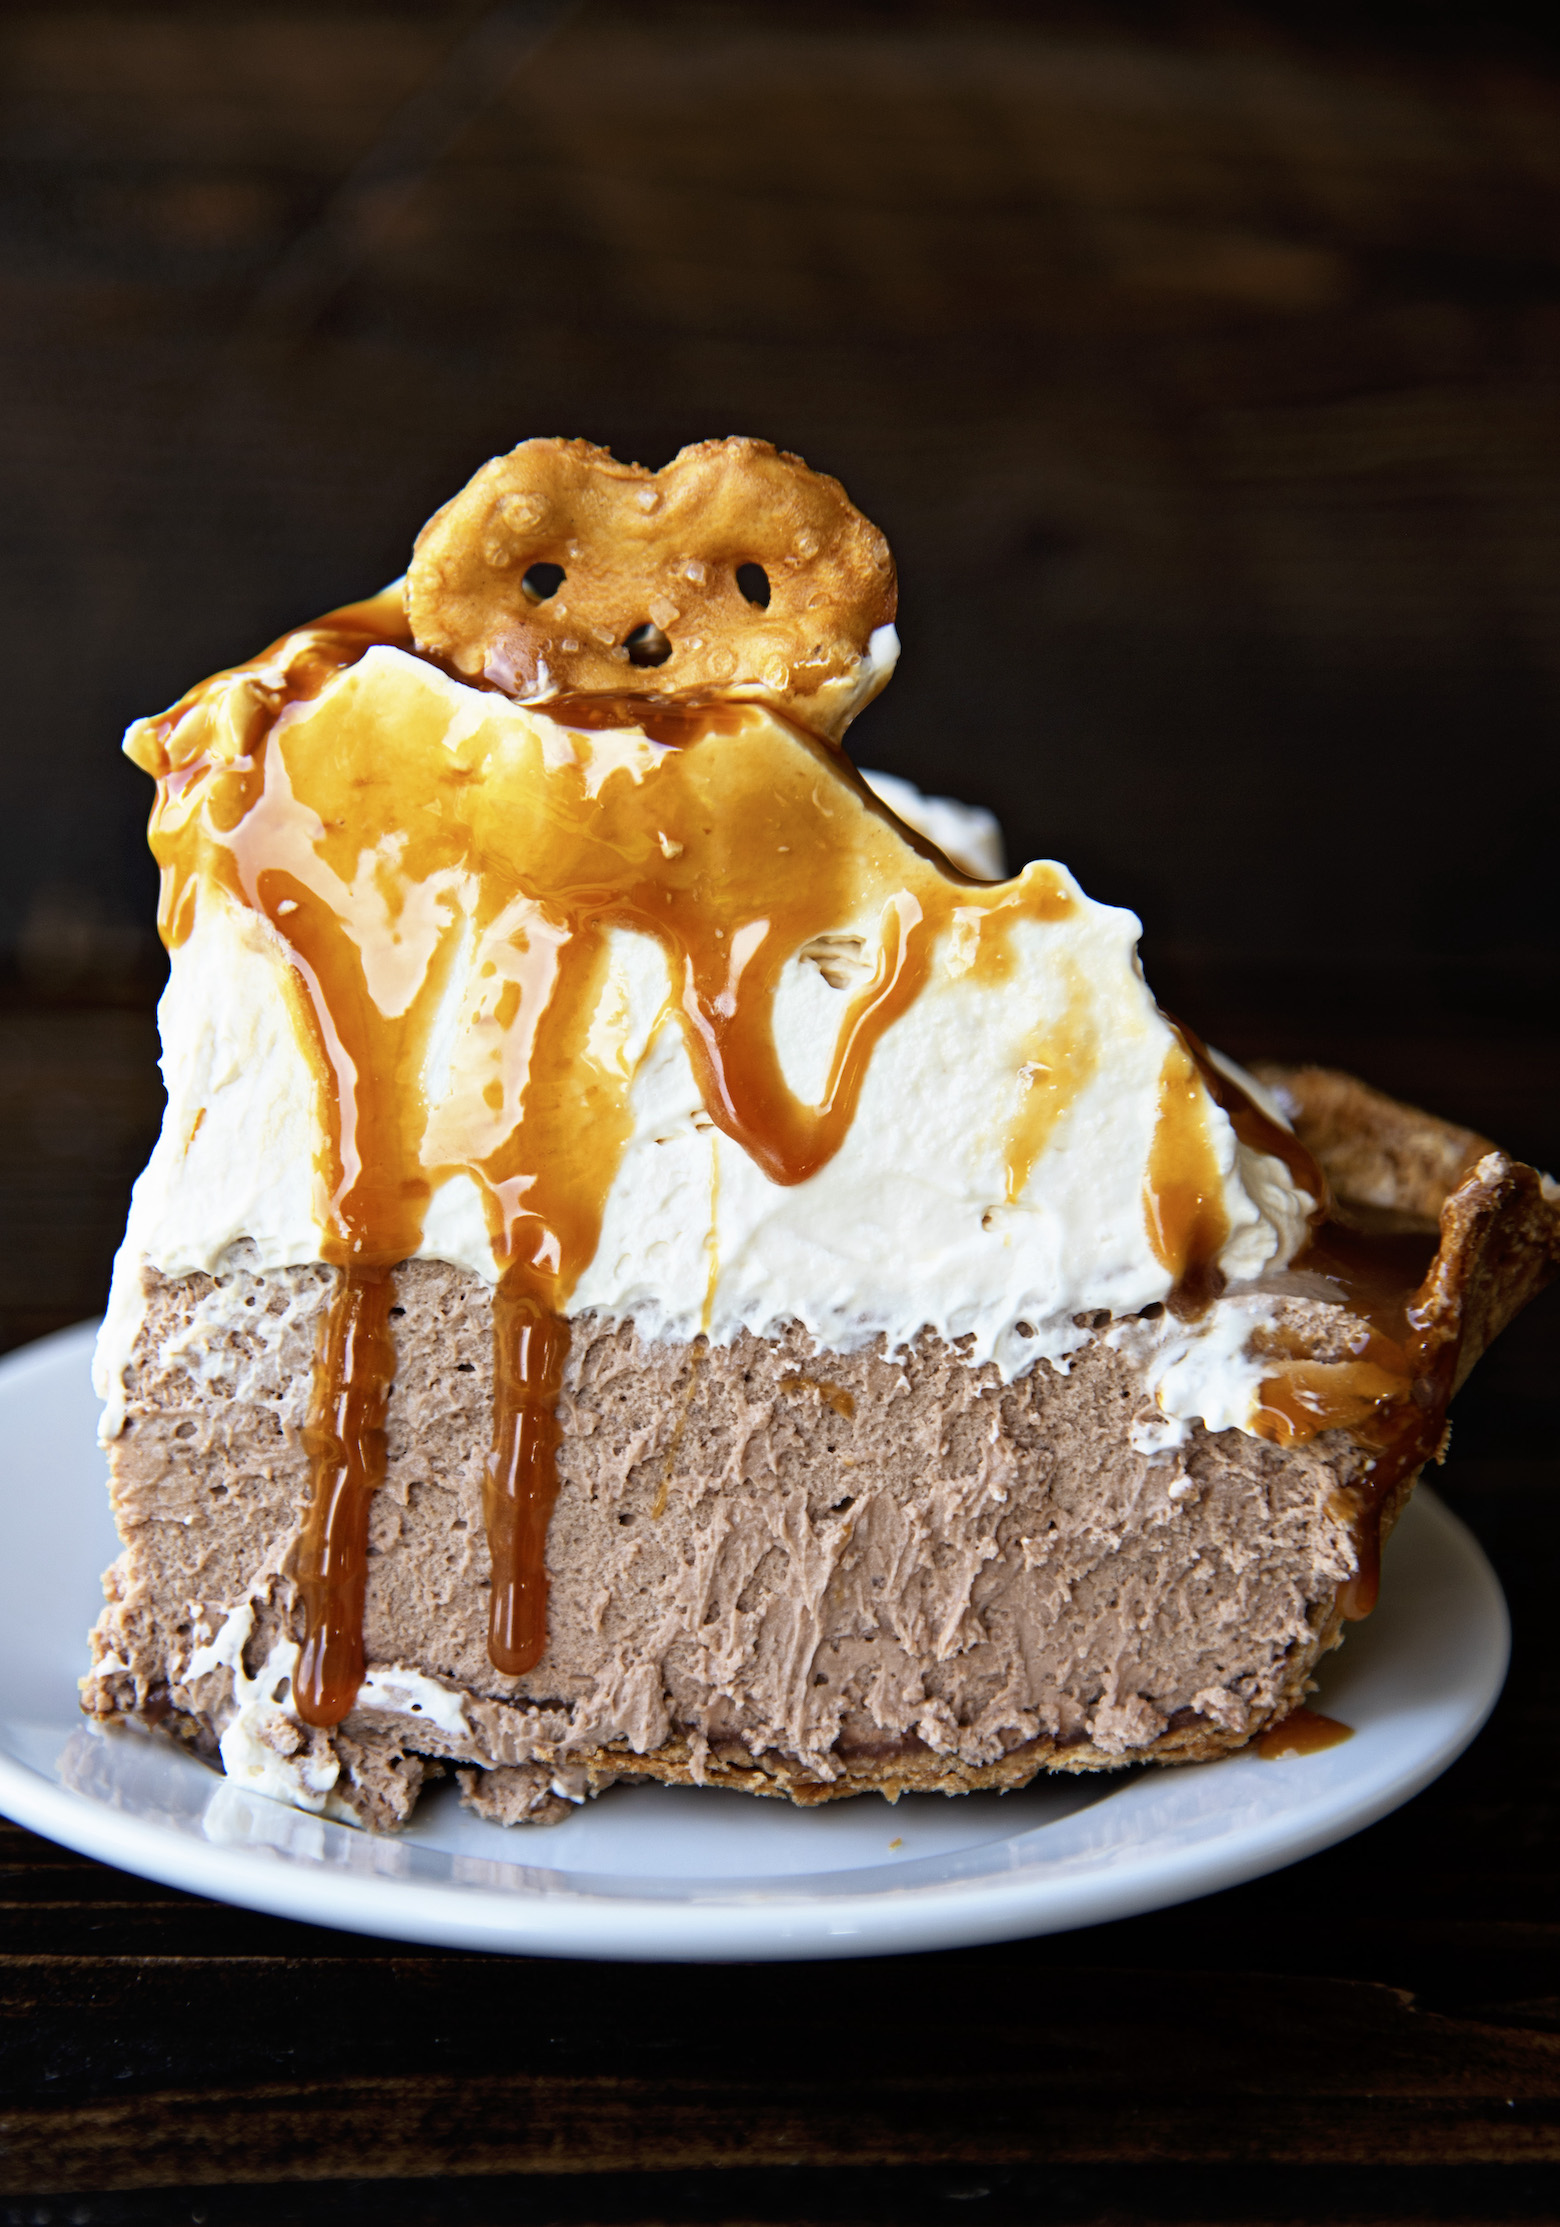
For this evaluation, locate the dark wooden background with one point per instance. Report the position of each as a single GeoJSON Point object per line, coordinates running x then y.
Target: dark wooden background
{"type": "Point", "coordinates": [1202, 364]}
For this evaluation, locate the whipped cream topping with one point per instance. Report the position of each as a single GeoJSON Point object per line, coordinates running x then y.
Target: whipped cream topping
{"type": "Point", "coordinates": [995, 1184]}
{"type": "Point", "coordinates": [966, 833]}
{"type": "Point", "coordinates": [264, 1749]}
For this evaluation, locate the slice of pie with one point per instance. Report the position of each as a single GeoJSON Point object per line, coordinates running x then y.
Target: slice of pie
{"type": "Point", "coordinates": [654, 1269]}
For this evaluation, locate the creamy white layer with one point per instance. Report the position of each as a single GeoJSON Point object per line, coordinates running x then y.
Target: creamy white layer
{"type": "Point", "coordinates": [910, 1225]}
{"type": "Point", "coordinates": [966, 833]}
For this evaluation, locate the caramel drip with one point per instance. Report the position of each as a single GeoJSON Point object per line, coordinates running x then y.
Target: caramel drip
{"type": "Point", "coordinates": [1392, 1395]}
{"type": "Point", "coordinates": [545, 1215]}
{"type": "Point", "coordinates": [387, 834]}
{"type": "Point", "coordinates": [1183, 1196]}
{"type": "Point", "coordinates": [345, 1438]}
{"type": "Point", "coordinates": [1302, 1732]}
{"type": "Point", "coordinates": [1061, 1059]}
{"type": "Point", "coordinates": [1393, 1391]}
{"type": "Point", "coordinates": [1312, 1396]}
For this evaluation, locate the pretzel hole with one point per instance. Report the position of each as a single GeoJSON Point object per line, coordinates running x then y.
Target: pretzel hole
{"type": "Point", "coordinates": [647, 645]}
{"type": "Point", "coordinates": [753, 580]}
{"type": "Point", "coordinates": [542, 580]}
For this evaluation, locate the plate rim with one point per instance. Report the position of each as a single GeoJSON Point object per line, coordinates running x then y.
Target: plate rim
{"type": "Point", "coordinates": [741, 1924]}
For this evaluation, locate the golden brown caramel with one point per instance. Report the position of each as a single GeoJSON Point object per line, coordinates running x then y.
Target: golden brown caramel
{"type": "Point", "coordinates": [832, 1395]}
{"type": "Point", "coordinates": [1394, 1391]}
{"type": "Point", "coordinates": [1183, 1195]}
{"type": "Point", "coordinates": [345, 1436]}
{"type": "Point", "coordinates": [385, 834]}
{"type": "Point", "coordinates": [1302, 1732]}
{"type": "Point", "coordinates": [1408, 1384]}
{"type": "Point", "coordinates": [1312, 1396]}
{"type": "Point", "coordinates": [1059, 1062]}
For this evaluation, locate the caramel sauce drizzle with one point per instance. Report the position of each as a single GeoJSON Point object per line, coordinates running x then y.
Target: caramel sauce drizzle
{"type": "Point", "coordinates": [1060, 1060]}
{"type": "Point", "coordinates": [381, 837]}
{"type": "Point", "coordinates": [345, 1439]}
{"type": "Point", "coordinates": [1394, 1390]}
{"type": "Point", "coordinates": [386, 837]}
{"type": "Point", "coordinates": [1392, 1394]}
{"type": "Point", "coordinates": [1302, 1732]}
{"type": "Point", "coordinates": [1183, 1193]}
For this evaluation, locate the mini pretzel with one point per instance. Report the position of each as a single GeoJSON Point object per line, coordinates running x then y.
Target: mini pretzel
{"type": "Point", "coordinates": [650, 602]}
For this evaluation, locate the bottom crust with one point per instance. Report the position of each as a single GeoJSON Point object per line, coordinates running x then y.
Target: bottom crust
{"type": "Point", "coordinates": [506, 1796]}
{"type": "Point", "coordinates": [793, 1573]}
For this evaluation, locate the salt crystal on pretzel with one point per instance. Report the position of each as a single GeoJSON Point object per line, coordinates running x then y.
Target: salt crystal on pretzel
{"type": "Point", "coordinates": [733, 572]}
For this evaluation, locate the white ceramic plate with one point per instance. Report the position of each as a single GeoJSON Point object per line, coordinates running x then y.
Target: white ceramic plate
{"type": "Point", "coordinates": [662, 1872]}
